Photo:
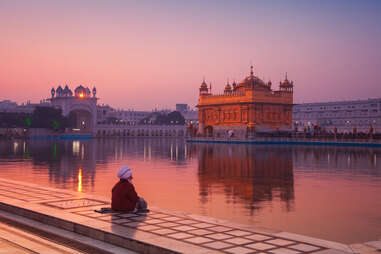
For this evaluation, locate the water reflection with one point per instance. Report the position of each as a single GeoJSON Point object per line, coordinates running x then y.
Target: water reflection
{"type": "Point", "coordinates": [251, 174]}
{"type": "Point", "coordinates": [79, 188]}
{"type": "Point", "coordinates": [328, 192]}
{"type": "Point", "coordinates": [348, 160]}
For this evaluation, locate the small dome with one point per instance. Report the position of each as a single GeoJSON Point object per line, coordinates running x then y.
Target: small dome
{"type": "Point", "coordinates": [67, 91]}
{"type": "Point", "coordinates": [286, 82]}
{"type": "Point", "coordinates": [59, 89]}
{"type": "Point", "coordinates": [203, 87]}
{"type": "Point", "coordinates": [228, 88]}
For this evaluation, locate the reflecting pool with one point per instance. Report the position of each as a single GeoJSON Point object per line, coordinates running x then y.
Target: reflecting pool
{"type": "Point", "coordinates": [327, 192]}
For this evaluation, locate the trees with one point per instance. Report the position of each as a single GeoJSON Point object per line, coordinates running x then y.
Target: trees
{"type": "Point", "coordinates": [14, 120]}
{"type": "Point", "coordinates": [48, 117]}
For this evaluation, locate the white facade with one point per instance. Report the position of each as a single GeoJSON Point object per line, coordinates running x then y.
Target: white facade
{"type": "Point", "coordinates": [128, 117]}
{"type": "Point", "coordinates": [81, 106]}
{"type": "Point", "coordinates": [343, 115]}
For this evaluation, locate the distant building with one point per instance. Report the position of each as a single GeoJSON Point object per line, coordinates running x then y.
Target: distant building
{"type": "Point", "coordinates": [79, 106]}
{"type": "Point", "coordinates": [13, 107]}
{"type": "Point", "coordinates": [190, 116]}
{"type": "Point", "coordinates": [345, 116]}
{"type": "Point", "coordinates": [249, 105]}
{"type": "Point", "coordinates": [182, 107]}
{"type": "Point", "coordinates": [129, 117]}
{"type": "Point", "coordinates": [8, 106]}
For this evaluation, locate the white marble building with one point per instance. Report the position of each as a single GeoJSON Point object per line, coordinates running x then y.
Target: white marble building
{"type": "Point", "coordinates": [343, 115]}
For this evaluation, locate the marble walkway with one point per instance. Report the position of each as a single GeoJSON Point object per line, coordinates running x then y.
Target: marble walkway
{"type": "Point", "coordinates": [160, 231]}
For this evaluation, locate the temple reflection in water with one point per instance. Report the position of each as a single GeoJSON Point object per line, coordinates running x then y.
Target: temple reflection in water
{"type": "Point", "coordinates": [248, 173]}
{"type": "Point", "coordinates": [271, 186]}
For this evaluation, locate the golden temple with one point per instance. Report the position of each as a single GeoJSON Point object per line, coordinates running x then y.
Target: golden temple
{"type": "Point", "coordinates": [247, 107]}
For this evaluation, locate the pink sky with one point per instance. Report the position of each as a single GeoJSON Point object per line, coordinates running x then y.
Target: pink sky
{"type": "Point", "coordinates": [147, 54]}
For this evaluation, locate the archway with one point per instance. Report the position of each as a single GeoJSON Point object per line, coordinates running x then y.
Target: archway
{"type": "Point", "coordinates": [81, 120]}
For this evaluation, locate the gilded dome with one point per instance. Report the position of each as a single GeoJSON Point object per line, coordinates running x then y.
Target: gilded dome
{"type": "Point", "coordinates": [252, 81]}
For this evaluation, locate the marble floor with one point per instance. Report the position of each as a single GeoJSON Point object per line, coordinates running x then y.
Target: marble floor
{"type": "Point", "coordinates": [168, 230]}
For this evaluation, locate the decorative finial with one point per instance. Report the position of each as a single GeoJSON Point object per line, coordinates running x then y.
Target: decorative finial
{"type": "Point", "coordinates": [203, 79]}
{"type": "Point", "coordinates": [210, 87]}
{"type": "Point", "coordinates": [228, 80]}
{"type": "Point", "coordinates": [251, 70]}
{"type": "Point", "coordinates": [286, 75]}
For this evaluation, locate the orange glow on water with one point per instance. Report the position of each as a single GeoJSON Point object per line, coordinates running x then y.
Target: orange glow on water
{"type": "Point", "coordinates": [79, 188]}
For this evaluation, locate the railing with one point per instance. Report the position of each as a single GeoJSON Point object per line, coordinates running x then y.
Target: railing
{"type": "Point", "coordinates": [287, 140]}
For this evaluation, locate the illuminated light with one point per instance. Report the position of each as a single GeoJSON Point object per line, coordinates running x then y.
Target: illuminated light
{"type": "Point", "coordinates": [81, 95]}
{"type": "Point", "coordinates": [15, 146]}
{"type": "Point", "coordinates": [76, 145]}
{"type": "Point", "coordinates": [79, 187]}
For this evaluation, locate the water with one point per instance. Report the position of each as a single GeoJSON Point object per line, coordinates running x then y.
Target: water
{"type": "Point", "coordinates": [327, 192]}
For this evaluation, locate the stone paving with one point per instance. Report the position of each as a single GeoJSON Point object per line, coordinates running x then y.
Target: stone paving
{"type": "Point", "coordinates": [15, 241]}
{"type": "Point", "coordinates": [172, 231]}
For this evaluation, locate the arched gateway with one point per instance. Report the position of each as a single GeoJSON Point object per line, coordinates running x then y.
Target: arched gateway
{"type": "Point", "coordinates": [81, 108]}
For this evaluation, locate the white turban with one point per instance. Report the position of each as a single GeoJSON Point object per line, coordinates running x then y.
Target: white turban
{"type": "Point", "coordinates": [124, 172]}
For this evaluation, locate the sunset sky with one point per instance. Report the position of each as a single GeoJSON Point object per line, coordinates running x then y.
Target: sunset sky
{"type": "Point", "coordinates": [147, 54]}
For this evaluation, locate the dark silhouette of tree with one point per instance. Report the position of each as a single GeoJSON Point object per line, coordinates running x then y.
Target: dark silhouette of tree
{"type": "Point", "coordinates": [48, 117]}
{"type": "Point", "coordinates": [14, 120]}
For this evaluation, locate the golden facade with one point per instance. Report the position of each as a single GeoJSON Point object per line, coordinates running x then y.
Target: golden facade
{"type": "Point", "coordinates": [248, 105]}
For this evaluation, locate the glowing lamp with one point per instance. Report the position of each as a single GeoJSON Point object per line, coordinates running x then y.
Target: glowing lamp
{"type": "Point", "coordinates": [81, 95]}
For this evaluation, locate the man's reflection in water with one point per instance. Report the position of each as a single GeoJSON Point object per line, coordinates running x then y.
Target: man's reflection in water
{"type": "Point", "coordinates": [248, 174]}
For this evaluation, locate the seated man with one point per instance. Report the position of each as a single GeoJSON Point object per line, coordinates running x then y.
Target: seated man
{"type": "Point", "coordinates": [124, 196]}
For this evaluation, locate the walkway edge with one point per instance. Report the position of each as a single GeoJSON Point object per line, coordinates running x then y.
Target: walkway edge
{"type": "Point", "coordinates": [61, 236]}
{"type": "Point", "coordinates": [60, 225]}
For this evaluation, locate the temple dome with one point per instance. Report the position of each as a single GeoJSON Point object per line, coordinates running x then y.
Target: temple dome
{"type": "Point", "coordinates": [81, 91]}
{"type": "Point", "coordinates": [251, 81]}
